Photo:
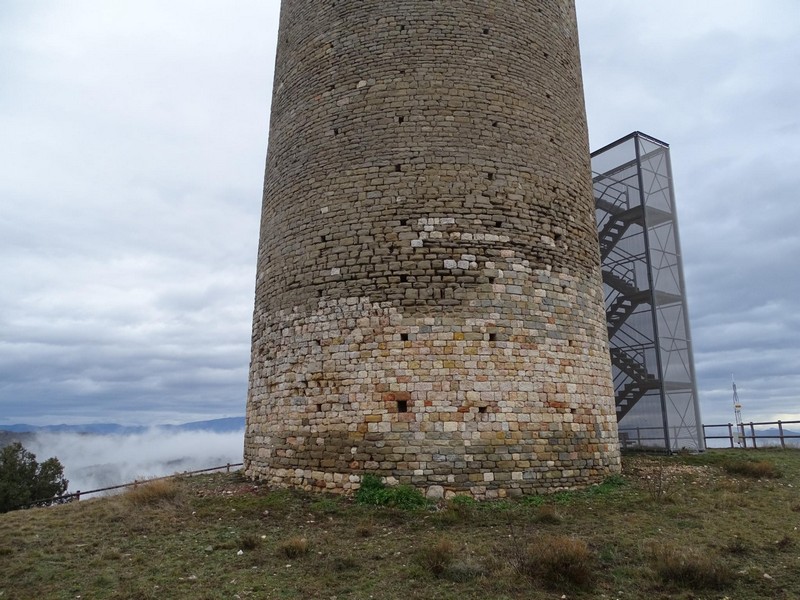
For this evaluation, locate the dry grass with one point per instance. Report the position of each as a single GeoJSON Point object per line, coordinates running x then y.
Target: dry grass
{"type": "Point", "coordinates": [548, 515]}
{"type": "Point", "coordinates": [689, 568]}
{"type": "Point", "coordinates": [558, 560]}
{"type": "Point", "coordinates": [150, 493]}
{"type": "Point", "coordinates": [757, 469]}
{"type": "Point", "coordinates": [294, 547]}
{"type": "Point", "coordinates": [438, 557]}
{"type": "Point", "coordinates": [250, 541]}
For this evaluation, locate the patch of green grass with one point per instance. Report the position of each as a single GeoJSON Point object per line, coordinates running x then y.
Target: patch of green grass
{"type": "Point", "coordinates": [375, 493]}
{"type": "Point", "coordinates": [326, 505]}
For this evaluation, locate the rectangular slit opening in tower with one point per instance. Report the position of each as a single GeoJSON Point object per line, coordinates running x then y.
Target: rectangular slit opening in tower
{"type": "Point", "coordinates": [403, 337]}
{"type": "Point", "coordinates": [402, 406]}
{"type": "Point", "coordinates": [481, 409]}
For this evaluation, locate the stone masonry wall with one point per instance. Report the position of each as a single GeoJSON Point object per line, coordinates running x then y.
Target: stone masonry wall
{"type": "Point", "coordinates": [428, 298]}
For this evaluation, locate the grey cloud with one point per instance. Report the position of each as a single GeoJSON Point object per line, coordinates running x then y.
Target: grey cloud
{"type": "Point", "coordinates": [130, 184]}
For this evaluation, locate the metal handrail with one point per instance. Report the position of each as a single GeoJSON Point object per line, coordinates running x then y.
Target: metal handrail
{"type": "Point", "coordinates": [75, 496]}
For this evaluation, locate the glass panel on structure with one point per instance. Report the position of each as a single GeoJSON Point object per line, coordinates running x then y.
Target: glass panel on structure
{"type": "Point", "coordinates": [648, 329]}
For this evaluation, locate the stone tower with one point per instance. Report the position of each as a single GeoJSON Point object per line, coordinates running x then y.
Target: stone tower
{"type": "Point", "coordinates": [428, 296]}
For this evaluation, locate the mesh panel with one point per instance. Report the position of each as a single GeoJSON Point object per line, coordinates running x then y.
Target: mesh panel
{"type": "Point", "coordinates": [648, 327]}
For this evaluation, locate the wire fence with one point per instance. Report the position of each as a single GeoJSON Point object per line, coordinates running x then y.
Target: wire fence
{"type": "Point", "coordinates": [75, 496]}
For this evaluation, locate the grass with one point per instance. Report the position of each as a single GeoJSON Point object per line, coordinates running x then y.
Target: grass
{"type": "Point", "coordinates": [757, 469]}
{"type": "Point", "coordinates": [558, 561]}
{"type": "Point", "coordinates": [690, 568]}
{"type": "Point", "coordinates": [150, 493]}
{"type": "Point", "coordinates": [720, 533]}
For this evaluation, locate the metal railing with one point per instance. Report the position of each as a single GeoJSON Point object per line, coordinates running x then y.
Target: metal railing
{"type": "Point", "coordinates": [746, 433]}
{"type": "Point", "coordinates": [75, 496]}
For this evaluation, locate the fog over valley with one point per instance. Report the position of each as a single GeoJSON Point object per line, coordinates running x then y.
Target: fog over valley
{"type": "Point", "coordinates": [93, 461]}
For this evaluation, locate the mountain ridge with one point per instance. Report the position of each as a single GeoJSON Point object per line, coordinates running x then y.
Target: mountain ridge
{"type": "Point", "coordinates": [223, 425]}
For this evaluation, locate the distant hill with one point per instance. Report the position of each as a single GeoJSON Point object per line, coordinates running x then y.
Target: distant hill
{"type": "Point", "coordinates": [215, 425]}
{"type": "Point", "coordinates": [775, 433]}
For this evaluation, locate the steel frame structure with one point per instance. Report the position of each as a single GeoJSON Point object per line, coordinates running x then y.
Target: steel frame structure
{"type": "Point", "coordinates": [648, 325]}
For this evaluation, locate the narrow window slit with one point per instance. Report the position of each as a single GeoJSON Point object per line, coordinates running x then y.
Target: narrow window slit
{"type": "Point", "coordinates": [481, 409]}
{"type": "Point", "coordinates": [403, 337]}
{"type": "Point", "coordinates": [402, 406]}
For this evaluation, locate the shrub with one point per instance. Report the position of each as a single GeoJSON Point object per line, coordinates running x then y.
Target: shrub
{"type": "Point", "coordinates": [24, 481]}
{"type": "Point", "coordinates": [548, 515]}
{"type": "Point", "coordinates": [438, 557]}
{"type": "Point", "coordinates": [558, 560]}
{"type": "Point", "coordinates": [374, 492]}
{"type": "Point", "coordinates": [757, 469]}
{"type": "Point", "coordinates": [344, 563]}
{"type": "Point", "coordinates": [784, 543]}
{"type": "Point", "coordinates": [152, 493]}
{"type": "Point", "coordinates": [659, 484]}
{"type": "Point", "coordinates": [294, 547]}
{"type": "Point", "coordinates": [737, 546]}
{"type": "Point", "coordinates": [249, 541]}
{"type": "Point", "coordinates": [690, 568]}
{"type": "Point", "coordinates": [365, 529]}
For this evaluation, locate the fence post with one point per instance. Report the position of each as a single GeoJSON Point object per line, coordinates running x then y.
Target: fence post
{"type": "Point", "coordinates": [228, 468]}
{"type": "Point", "coordinates": [780, 433]}
{"type": "Point", "coordinates": [753, 433]}
{"type": "Point", "coordinates": [730, 433]}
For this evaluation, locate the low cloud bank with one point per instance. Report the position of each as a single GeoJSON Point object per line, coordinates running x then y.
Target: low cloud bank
{"type": "Point", "coordinates": [96, 461]}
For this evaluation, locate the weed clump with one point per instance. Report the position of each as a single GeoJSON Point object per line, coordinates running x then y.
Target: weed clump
{"type": "Point", "coordinates": [756, 469]}
{"type": "Point", "coordinates": [152, 493]}
{"type": "Point", "coordinates": [375, 493]}
{"type": "Point", "coordinates": [691, 569]}
{"type": "Point", "coordinates": [294, 547]}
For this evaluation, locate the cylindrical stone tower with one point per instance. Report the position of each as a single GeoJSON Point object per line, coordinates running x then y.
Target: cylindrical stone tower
{"type": "Point", "coordinates": [428, 296]}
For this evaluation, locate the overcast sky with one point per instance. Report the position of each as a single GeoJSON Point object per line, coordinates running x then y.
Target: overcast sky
{"type": "Point", "coordinates": [132, 142]}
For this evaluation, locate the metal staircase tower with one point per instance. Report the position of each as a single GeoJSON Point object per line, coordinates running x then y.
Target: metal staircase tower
{"type": "Point", "coordinates": [648, 328]}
